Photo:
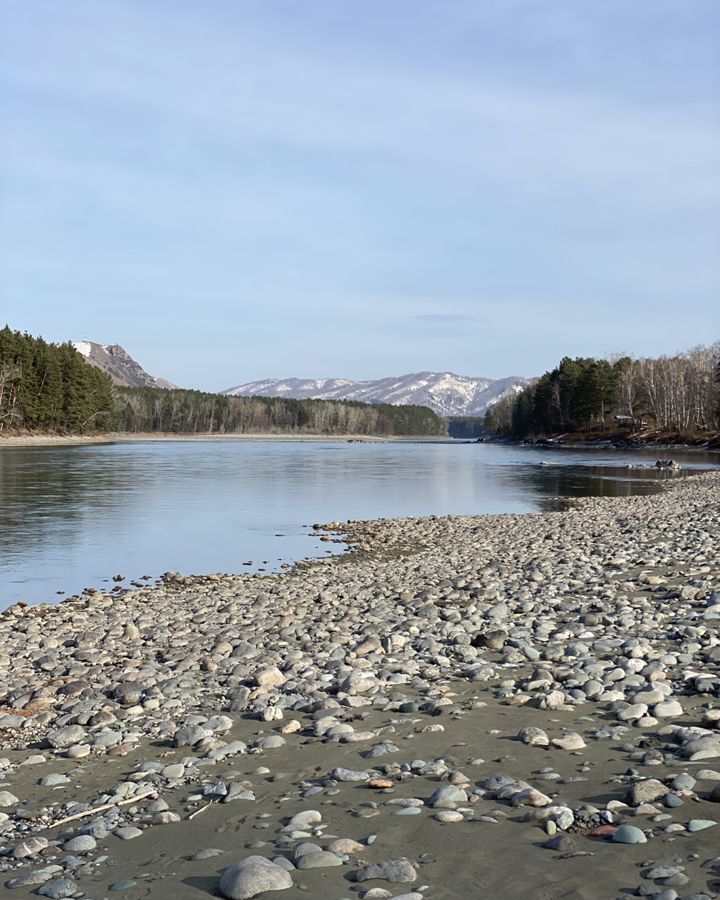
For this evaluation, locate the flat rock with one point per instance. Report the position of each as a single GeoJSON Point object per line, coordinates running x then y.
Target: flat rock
{"type": "Point", "coordinates": [341, 774]}
{"type": "Point", "coordinates": [319, 859]}
{"type": "Point", "coordinates": [448, 816]}
{"type": "Point", "coordinates": [36, 876]}
{"type": "Point", "coordinates": [700, 824]}
{"type": "Point", "coordinates": [127, 832]}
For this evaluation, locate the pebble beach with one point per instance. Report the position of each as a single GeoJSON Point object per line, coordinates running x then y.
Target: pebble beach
{"type": "Point", "coordinates": [514, 706]}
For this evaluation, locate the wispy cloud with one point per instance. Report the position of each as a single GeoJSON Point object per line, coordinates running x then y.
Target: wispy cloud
{"type": "Point", "coordinates": [207, 84]}
{"type": "Point", "coordinates": [324, 163]}
{"type": "Point", "coordinates": [443, 318]}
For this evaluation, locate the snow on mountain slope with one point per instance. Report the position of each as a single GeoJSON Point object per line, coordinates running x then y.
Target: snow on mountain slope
{"type": "Point", "coordinates": [119, 365]}
{"type": "Point", "coordinates": [444, 392]}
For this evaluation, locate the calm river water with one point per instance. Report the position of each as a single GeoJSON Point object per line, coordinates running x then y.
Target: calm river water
{"type": "Point", "coordinates": [72, 518]}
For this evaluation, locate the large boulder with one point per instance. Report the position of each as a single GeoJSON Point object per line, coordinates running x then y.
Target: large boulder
{"type": "Point", "coordinates": [252, 876]}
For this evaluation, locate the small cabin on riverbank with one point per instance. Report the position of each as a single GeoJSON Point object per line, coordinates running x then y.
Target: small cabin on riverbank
{"type": "Point", "coordinates": [630, 422]}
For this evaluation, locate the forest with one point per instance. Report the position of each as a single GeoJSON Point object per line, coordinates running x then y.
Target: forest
{"type": "Point", "coordinates": [48, 387]}
{"type": "Point", "coordinates": [677, 395]}
{"type": "Point", "coordinates": [194, 412]}
{"type": "Point", "coordinates": [466, 427]}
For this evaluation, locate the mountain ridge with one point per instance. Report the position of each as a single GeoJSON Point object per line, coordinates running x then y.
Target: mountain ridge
{"type": "Point", "coordinates": [116, 362]}
{"type": "Point", "coordinates": [446, 393]}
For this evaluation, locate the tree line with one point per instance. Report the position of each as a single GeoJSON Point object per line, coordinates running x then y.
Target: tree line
{"type": "Point", "coordinates": [179, 411]}
{"type": "Point", "coordinates": [47, 386]}
{"type": "Point", "coordinates": [677, 394]}
{"type": "Point", "coordinates": [51, 387]}
{"type": "Point", "coordinates": [466, 427]}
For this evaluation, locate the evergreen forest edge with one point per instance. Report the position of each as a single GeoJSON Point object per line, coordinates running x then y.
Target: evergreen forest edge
{"type": "Point", "coordinates": [669, 397]}
{"type": "Point", "coordinates": [46, 387]}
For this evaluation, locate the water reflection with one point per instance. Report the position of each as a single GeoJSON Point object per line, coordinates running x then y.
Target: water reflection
{"type": "Point", "coordinates": [71, 518]}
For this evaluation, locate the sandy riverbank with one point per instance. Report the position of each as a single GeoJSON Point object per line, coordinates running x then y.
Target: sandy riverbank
{"type": "Point", "coordinates": [54, 440]}
{"type": "Point", "coordinates": [447, 700]}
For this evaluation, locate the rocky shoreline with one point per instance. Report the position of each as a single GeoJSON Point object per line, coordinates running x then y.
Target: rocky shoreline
{"type": "Point", "coordinates": [519, 706]}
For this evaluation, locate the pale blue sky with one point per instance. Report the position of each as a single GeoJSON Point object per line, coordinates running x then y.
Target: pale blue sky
{"type": "Point", "coordinates": [235, 190]}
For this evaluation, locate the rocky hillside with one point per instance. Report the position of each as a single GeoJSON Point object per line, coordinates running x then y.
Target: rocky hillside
{"type": "Point", "coordinates": [119, 365]}
{"type": "Point", "coordinates": [445, 393]}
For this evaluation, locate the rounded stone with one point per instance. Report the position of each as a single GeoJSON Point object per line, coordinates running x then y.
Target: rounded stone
{"type": "Point", "coordinates": [65, 737]}
{"type": "Point", "coordinates": [319, 859]}
{"type": "Point", "coordinates": [667, 709]}
{"type": "Point", "coordinates": [28, 847]}
{"type": "Point", "coordinates": [561, 843]}
{"type": "Point", "coordinates": [83, 843]}
{"type": "Point", "coordinates": [447, 816]}
{"type": "Point", "coordinates": [629, 834]}
{"type": "Point", "coordinates": [683, 782]}
{"type": "Point", "coordinates": [58, 889]}
{"type": "Point", "coordinates": [7, 799]}
{"type": "Point", "coordinates": [700, 824]}
{"type": "Point", "coordinates": [396, 871]}
{"type": "Point", "coordinates": [252, 876]}
{"type": "Point", "coordinates": [533, 737]}
{"type": "Point", "coordinates": [447, 797]}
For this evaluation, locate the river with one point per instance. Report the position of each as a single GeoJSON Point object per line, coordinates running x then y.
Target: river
{"type": "Point", "coordinates": [71, 518]}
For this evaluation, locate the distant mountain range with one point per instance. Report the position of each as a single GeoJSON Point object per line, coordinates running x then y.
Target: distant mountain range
{"type": "Point", "coordinates": [445, 393]}
{"type": "Point", "coordinates": [119, 365]}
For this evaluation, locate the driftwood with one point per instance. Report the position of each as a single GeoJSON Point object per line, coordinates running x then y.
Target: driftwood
{"type": "Point", "coordinates": [99, 809]}
{"type": "Point", "coordinates": [198, 811]}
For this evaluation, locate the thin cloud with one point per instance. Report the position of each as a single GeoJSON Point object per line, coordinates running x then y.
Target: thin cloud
{"type": "Point", "coordinates": [443, 318]}
{"type": "Point", "coordinates": [525, 137]}
{"type": "Point", "coordinates": [237, 162]}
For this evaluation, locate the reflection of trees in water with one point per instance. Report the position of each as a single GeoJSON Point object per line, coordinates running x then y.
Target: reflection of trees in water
{"type": "Point", "coordinates": [555, 485]}
{"type": "Point", "coordinates": [46, 496]}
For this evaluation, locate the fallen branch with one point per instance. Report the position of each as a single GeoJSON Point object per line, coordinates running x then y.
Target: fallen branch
{"type": "Point", "coordinates": [99, 809]}
{"type": "Point", "coordinates": [198, 811]}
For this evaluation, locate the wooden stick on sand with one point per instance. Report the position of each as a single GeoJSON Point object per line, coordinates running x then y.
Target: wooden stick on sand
{"type": "Point", "coordinates": [99, 809]}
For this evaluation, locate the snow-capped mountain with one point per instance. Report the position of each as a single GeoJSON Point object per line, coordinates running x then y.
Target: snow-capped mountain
{"type": "Point", "coordinates": [444, 392]}
{"type": "Point", "coordinates": [119, 365]}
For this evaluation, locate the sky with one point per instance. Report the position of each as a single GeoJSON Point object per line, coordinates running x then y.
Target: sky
{"type": "Point", "coordinates": [270, 188]}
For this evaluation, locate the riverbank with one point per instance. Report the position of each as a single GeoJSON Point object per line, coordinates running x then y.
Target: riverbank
{"type": "Point", "coordinates": [560, 443]}
{"type": "Point", "coordinates": [463, 706]}
{"type": "Point", "coordinates": [55, 440]}
{"type": "Point", "coordinates": [621, 440]}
